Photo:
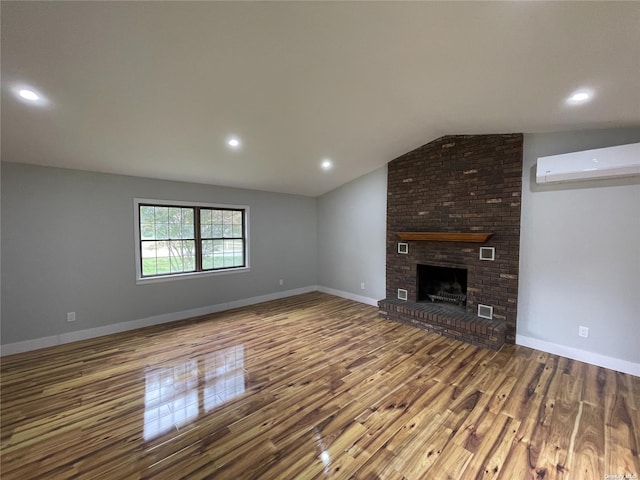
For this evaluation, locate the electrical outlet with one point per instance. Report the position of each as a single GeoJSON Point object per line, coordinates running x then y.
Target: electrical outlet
{"type": "Point", "coordinates": [362, 286]}
{"type": "Point", "coordinates": [583, 331]}
{"type": "Point", "coordinates": [71, 316]}
{"type": "Point", "coordinates": [281, 282]}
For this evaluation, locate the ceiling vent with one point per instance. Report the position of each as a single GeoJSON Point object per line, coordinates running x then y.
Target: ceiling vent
{"type": "Point", "coordinates": [610, 162]}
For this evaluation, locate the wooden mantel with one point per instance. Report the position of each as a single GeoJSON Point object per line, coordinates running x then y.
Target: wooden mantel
{"type": "Point", "coordinates": [445, 236]}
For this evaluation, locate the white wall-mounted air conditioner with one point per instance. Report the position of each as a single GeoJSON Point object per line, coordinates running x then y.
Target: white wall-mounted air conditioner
{"type": "Point", "coordinates": [609, 162]}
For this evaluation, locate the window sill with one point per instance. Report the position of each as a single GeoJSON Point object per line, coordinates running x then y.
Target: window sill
{"type": "Point", "coordinates": [191, 275]}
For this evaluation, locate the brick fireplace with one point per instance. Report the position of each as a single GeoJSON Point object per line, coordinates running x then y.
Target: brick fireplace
{"type": "Point", "coordinates": [462, 186]}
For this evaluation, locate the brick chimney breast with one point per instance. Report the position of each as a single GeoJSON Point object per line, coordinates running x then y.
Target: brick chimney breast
{"type": "Point", "coordinates": [459, 183]}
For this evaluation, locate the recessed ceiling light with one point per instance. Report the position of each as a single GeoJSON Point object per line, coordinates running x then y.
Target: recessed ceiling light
{"type": "Point", "coordinates": [579, 96]}
{"type": "Point", "coordinates": [28, 94]}
{"type": "Point", "coordinates": [233, 142]}
{"type": "Point", "coordinates": [326, 164]}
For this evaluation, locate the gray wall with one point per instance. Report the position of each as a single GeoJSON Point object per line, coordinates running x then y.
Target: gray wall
{"type": "Point", "coordinates": [68, 245]}
{"type": "Point", "coordinates": [351, 236]}
{"type": "Point", "coordinates": [580, 252]}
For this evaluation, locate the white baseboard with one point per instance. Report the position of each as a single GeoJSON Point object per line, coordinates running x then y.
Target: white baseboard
{"type": "Point", "coordinates": [349, 296]}
{"type": "Point", "coordinates": [597, 359]}
{"type": "Point", "coordinates": [44, 342]}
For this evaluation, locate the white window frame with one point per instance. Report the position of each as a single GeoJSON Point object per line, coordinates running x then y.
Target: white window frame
{"type": "Point", "coordinates": [140, 280]}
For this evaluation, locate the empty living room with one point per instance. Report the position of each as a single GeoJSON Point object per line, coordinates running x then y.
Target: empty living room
{"type": "Point", "coordinates": [391, 240]}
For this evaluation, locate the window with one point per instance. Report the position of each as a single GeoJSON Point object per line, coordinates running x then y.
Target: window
{"type": "Point", "coordinates": [183, 239]}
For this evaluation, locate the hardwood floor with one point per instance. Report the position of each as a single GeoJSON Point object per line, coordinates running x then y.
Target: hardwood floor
{"type": "Point", "coordinates": [311, 386]}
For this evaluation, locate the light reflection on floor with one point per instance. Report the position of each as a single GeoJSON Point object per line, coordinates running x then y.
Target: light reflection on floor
{"type": "Point", "coordinates": [177, 394]}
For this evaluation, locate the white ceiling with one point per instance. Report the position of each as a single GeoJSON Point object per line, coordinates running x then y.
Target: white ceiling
{"type": "Point", "coordinates": [154, 89]}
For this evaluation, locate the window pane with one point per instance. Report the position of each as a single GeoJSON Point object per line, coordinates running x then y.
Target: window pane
{"type": "Point", "coordinates": [162, 231]}
{"type": "Point", "coordinates": [175, 231]}
{"type": "Point", "coordinates": [207, 247]}
{"type": "Point", "coordinates": [234, 253]}
{"type": "Point", "coordinates": [217, 231]}
{"type": "Point", "coordinates": [148, 254]}
{"type": "Point", "coordinates": [187, 216]}
{"type": "Point", "coordinates": [238, 253]}
{"type": "Point", "coordinates": [187, 223]}
{"type": "Point", "coordinates": [237, 218]}
{"type": "Point", "coordinates": [148, 249]}
{"type": "Point", "coordinates": [237, 230]}
{"type": "Point", "coordinates": [205, 230]}
{"type": "Point", "coordinates": [175, 257]}
{"type": "Point", "coordinates": [217, 216]}
{"type": "Point", "coordinates": [218, 254]}
{"type": "Point", "coordinates": [175, 215]}
{"type": "Point", "coordinates": [147, 214]}
{"type": "Point", "coordinates": [227, 231]}
{"type": "Point", "coordinates": [162, 257]}
{"type": "Point", "coordinates": [207, 254]}
{"type": "Point", "coordinates": [182, 256]}
{"type": "Point", "coordinates": [187, 231]}
{"type": "Point", "coordinates": [162, 214]}
{"type": "Point", "coordinates": [149, 266]}
{"type": "Point", "coordinates": [176, 265]}
{"type": "Point", "coordinates": [147, 231]}
{"type": "Point", "coordinates": [205, 216]}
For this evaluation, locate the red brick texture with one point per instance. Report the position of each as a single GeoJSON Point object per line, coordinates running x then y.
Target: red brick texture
{"type": "Point", "coordinates": [461, 183]}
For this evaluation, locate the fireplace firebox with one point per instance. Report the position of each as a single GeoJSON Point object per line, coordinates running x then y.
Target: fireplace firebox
{"type": "Point", "coordinates": [442, 285]}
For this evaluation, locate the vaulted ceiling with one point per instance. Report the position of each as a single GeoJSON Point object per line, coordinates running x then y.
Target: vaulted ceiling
{"type": "Point", "coordinates": [156, 89]}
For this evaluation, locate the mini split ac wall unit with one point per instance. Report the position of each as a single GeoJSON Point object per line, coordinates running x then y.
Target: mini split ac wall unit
{"type": "Point", "coordinates": [610, 162]}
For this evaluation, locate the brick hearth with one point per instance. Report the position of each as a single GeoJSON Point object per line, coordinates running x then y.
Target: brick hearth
{"type": "Point", "coordinates": [446, 321]}
{"type": "Point", "coordinates": [465, 184]}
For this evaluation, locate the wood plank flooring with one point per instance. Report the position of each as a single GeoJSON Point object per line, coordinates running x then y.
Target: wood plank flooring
{"type": "Point", "coordinates": [311, 387]}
